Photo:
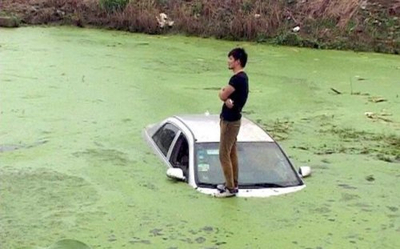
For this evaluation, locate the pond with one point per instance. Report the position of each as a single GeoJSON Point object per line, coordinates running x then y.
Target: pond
{"type": "Point", "coordinates": [75, 169]}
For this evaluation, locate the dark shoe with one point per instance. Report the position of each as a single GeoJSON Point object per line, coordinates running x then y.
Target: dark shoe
{"type": "Point", "coordinates": [226, 193]}
{"type": "Point", "coordinates": [221, 188]}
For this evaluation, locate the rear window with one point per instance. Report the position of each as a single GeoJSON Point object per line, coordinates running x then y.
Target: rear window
{"type": "Point", "coordinates": [164, 137]}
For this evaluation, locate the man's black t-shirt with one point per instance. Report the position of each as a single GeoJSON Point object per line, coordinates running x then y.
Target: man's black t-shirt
{"type": "Point", "coordinates": [240, 82]}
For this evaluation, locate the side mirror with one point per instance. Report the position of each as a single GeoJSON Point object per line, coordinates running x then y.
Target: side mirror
{"type": "Point", "coordinates": [176, 173]}
{"type": "Point", "coordinates": [305, 171]}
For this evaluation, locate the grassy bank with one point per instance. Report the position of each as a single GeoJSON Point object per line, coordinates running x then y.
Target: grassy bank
{"type": "Point", "coordinates": [343, 24]}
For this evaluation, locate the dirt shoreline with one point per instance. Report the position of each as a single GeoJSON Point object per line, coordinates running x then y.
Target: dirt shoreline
{"type": "Point", "coordinates": [346, 25]}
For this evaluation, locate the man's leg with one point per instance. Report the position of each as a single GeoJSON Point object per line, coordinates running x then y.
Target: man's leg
{"type": "Point", "coordinates": [235, 167]}
{"type": "Point", "coordinates": [224, 154]}
{"type": "Point", "coordinates": [233, 154]}
{"type": "Point", "coordinates": [229, 131]}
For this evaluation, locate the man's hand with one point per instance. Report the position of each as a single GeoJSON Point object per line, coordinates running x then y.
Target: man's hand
{"type": "Point", "coordinates": [229, 103]}
{"type": "Point", "coordinates": [225, 92]}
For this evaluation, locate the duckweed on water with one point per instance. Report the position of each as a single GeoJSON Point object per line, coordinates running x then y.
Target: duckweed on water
{"type": "Point", "coordinates": [90, 93]}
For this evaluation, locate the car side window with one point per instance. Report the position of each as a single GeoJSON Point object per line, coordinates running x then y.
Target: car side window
{"type": "Point", "coordinates": [180, 155]}
{"type": "Point", "coordinates": [164, 137]}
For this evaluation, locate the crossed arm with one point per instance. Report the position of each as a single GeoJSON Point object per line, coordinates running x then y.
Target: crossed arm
{"type": "Point", "coordinates": [224, 94]}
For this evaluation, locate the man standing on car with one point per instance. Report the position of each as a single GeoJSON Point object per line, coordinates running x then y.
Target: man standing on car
{"type": "Point", "coordinates": [234, 96]}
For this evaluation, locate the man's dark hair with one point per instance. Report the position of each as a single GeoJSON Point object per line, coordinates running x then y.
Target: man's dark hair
{"type": "Point", "coordinates": [239, 54]}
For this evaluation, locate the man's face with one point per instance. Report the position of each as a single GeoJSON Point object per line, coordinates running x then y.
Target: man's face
{"type": "Point", "coordinates": [232, 63]}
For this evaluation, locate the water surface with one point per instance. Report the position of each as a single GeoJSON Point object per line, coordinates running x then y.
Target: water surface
{"type": "Point", "coordinates": [74, 166]}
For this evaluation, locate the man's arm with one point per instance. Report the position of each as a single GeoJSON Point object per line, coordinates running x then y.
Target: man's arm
{"type": "Point", "coordinates": [225, 92]}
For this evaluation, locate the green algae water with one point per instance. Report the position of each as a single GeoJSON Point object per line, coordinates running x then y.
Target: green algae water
{"type": "Point", "coordinates": [75, 171]}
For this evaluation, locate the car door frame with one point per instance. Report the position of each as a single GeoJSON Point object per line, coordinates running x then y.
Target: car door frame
{"type": "Point", "coordinates": [165, 158]}
{"type": "Point", "coordinates": [182, 129]}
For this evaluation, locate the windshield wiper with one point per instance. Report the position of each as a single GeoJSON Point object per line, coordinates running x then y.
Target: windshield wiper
{"type": "Point", "coordinates": [269, 185]}
{"type": "Point", "coordinates": [206, 185]}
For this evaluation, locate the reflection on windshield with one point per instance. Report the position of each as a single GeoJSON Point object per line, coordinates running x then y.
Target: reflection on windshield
{"type": "Point", "coordinates": [261, 164]}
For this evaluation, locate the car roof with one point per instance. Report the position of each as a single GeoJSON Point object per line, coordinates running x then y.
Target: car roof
{"type": "Point", "coordinates": [205, 128]}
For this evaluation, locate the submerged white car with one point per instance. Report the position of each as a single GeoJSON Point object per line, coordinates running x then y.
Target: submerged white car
{"type": "Point", "coordinates": [188, 145]}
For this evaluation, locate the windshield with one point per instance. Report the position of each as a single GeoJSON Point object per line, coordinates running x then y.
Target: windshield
{"type": "Point", "coordinates": [261, 164]}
